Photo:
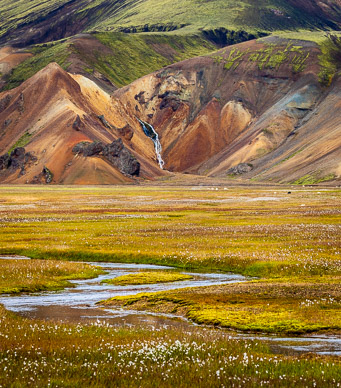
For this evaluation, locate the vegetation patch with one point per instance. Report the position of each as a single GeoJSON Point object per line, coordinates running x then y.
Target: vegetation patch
{"type": "Point", "coordinates": [56, 52]}
{"type": "Point", "coordinates": [22, 142]}
{"type": "Point", "coordinates": [123, 58]}
{"type": "Point", "coordinates": [40, 354]}
{"type": "Point", "coordinates": [272, 56]}
{"type": "Point", "coordinates": [330, 58]}
{"type": "Point", "coordinates": [271, 307]}
{"type": "Point", "coordinates": [148, 278]}
{"type": "Point", "coordinates": [312, 179]}
{"type": "Point", "coordinates": [41, 275]}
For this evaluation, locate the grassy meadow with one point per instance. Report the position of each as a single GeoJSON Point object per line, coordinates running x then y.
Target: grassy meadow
{"type": "Point", "coordinates": [18, 276]}
{"type": "Point", "coordinates": [289, 244]}
{"type": "Point", "coordinates": [45, 354]}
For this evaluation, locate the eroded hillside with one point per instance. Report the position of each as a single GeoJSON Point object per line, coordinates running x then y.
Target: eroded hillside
{"type": "Point", "coordinates": [262, 110]}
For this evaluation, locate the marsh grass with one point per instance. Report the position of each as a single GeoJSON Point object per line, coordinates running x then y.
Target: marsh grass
{"type": "Point", "coordinates": [295, 249]}
{"type": "Point", "coordinates": [148, 278]}
{"type": "Point", "coordinates": [260, 232]}
{"type": "Point", "coordinates": [43, 354]}
{"type": "Point", "coordinates": [291, 308]}
{"type": "Point", "coordinates": [41, 275]}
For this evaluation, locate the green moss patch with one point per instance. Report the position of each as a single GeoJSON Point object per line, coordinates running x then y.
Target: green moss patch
{"type": "Point", "coordinates": [148, 278]}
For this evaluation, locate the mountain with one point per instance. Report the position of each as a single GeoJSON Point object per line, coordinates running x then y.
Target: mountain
{"type": "Point", "coordinates": [24, 23]}
{"type": "Point", "coordinates": [263, 110]}
{"type": "Point", "coordinates": [106, 92]}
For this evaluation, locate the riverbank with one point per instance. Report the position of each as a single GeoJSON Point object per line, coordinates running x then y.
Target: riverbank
{"type": "Point", "coordinates": [18, 276]}
{"type": "Point", "coordinates": [49, 354]}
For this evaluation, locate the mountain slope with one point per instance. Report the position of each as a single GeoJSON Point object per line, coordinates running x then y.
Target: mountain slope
{"type": "Point", "coordinates": [263, 105]}
{"type": "Point", "coordinates": [51, 113]}
{"type": "Point", "coordinates": [24, 24]}
{"type": "Point", "coordinates": [110, 59]}
{"type": "Point", "coordinates": [264, 110]}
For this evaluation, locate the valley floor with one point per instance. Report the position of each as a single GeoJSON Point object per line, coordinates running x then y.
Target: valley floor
{"type": "Point", "coordinates": [286, 239]}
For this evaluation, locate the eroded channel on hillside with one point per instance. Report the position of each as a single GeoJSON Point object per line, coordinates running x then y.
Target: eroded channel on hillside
{"type": "Point", "coordinates": [78, 304]}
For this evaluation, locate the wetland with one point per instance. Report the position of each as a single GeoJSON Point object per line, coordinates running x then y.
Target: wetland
{"type": "Point", "coordinates": [262, 306]}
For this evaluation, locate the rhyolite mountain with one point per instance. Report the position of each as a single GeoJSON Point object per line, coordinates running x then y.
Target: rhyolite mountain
{"type": "Point", "coordinates": [72, 110]}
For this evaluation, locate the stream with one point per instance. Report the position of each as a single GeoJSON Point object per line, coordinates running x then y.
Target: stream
{"type": "Point", "coordinates": [150, 132]}
{"type": "Point", "coordinates": [78, 304]}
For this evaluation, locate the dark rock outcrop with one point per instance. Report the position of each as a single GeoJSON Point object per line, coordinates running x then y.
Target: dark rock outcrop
{"type": "Point", "coordinates": [46, 176]}
{"type": "Point", "coordinates": [240, 169]}
{"type": "Point", "coordinates": [169, 101]}
{"type": "Point", "coordinates": [78, 124]}
{"type": "Point", "coordinates": [104, 121]}
{"type": "Point", "coordinates": [5, 102]}
{"type": "Point", "coordinates": [118, 155]}
{"type": "Point", "coordinates": [4, 162]}
{"type": "Point", "coordinates": [88, 149]}
{"type": "Point", "coordinates": [7, 123]}
{"type": "Point", "coordinates": [115, 153]}
{"type": "Point", "coordinates": [18, 159]}
{"type": "Point", "coordinates": [21, 103]}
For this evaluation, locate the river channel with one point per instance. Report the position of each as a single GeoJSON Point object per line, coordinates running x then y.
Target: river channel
{"type": "Point", "coordinates": [78, 304]}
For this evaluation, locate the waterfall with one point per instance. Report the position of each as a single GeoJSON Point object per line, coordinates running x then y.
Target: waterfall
{"type": "Point", "coordinates": [152, 134]}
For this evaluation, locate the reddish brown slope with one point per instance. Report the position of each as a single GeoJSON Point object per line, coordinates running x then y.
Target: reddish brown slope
{"type": "Point", "coordinates": [243, 104]}
{"type": "Point", "coordinates": [43, 111]}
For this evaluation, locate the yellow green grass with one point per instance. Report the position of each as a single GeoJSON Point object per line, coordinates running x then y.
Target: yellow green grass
{"type": "Point", "coordinates": [258, 231]}
{"type": "Point", "coordinates": [148, 278]}
{"type": "Point", "coordinates": [43, 354]}
{"type": "Point", "coordinates": [288, 241]}
{"type": "Point", "coordinates": [272, 307]}
{"type": "Point", "coordinates": [41, 275]}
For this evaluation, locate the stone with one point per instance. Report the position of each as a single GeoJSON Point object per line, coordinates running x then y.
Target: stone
{"type": "Point", "coordinates": [78, 124]}
{"type": "Point", "coordinates": [115, 153]}
{"type": "Point", "coordinates": [18, 159]}
{"type": "Point", "coordinates": [104, 121]}
{"type": "Point", "coordinates": [240, 169]}
{"type": "Point", "coordinates": [5, 102]}
{"type": "Point", "coordinates": [4, 162]}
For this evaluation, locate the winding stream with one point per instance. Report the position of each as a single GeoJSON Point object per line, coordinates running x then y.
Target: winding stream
{"type": "Point", "coordinates": [79, 304]}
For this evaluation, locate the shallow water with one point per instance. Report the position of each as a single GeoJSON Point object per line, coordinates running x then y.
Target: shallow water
{"type": "Point", "coordinates": [79, 305]}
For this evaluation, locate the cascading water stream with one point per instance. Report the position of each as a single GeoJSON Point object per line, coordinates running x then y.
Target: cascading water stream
{"type": "Point", "coordinates": [152, 134]}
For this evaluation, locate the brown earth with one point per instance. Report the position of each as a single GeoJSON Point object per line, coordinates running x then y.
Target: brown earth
{"type": "Point", "coordinates": [44, 109]}
{"type": "Point", "coordinates": [9, 59]}
{"type": "Point", "coordinates": [211, 113]}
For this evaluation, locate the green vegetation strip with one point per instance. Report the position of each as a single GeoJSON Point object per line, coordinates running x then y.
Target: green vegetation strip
{"type": "Point", "coordinates": [41, 275]}
{"type": "Point", "coordinates": [148, 278]}
{"type": "Point", "coordinates": [291, 308]}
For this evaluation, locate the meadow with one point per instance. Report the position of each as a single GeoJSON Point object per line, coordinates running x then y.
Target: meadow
{"type": "Point", "coordinates": [18, 276]}
{"type": "Point", "coordinates": [286, 239]}
{"type": "Point", "coordinates": [45, 354]}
